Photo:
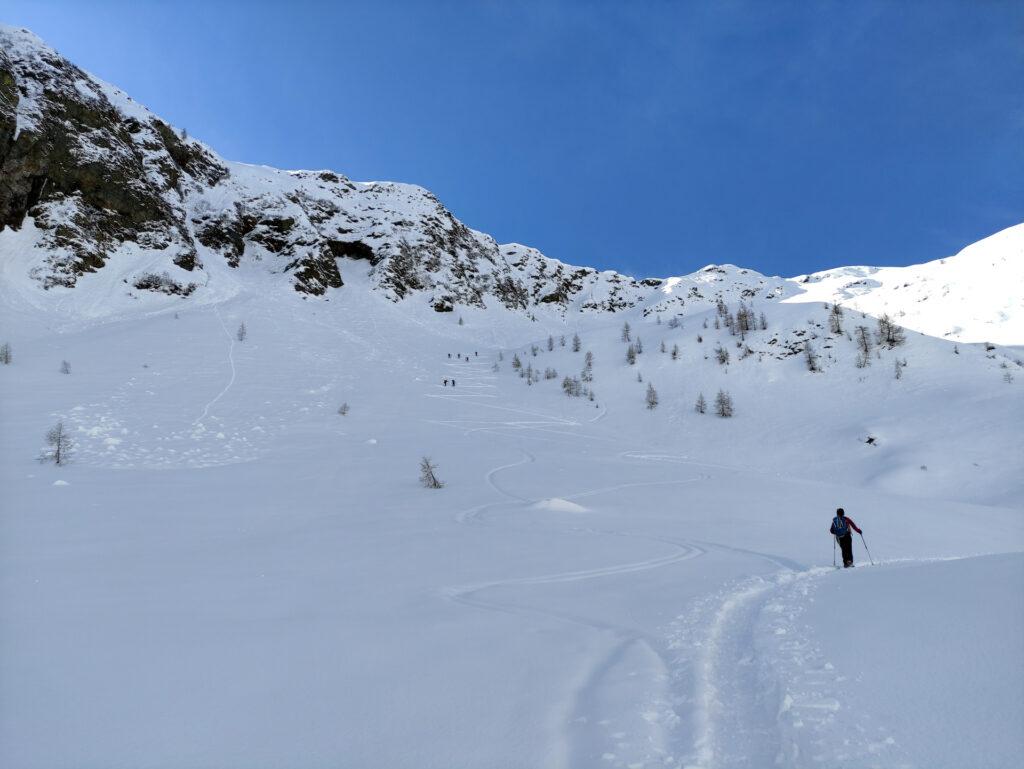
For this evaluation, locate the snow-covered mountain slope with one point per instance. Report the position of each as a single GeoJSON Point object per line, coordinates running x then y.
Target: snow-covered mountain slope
{"type": "Point", "coordinates": [95, 183]}
{"type": "Point", "coordinates": [106, 211]}
{"type": "Point", "coordinates": [975, 296]}
{"type": "Point", "coordinates": [230, 572]}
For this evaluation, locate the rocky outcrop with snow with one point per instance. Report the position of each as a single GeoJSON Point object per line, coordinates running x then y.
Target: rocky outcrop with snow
{"type": "Point", "coordinates": [100, 196]}
{"type": "Point", "coordinates": [101, 180]}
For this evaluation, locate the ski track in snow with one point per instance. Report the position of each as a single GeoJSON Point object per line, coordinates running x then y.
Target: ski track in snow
{"type": "Point", "coordinates": [626, 648]}
{"type": "Point", "coordinates": [761, 688]}
{"type": "Point", "coordinates": [231, 363]}
{"type": "Point", "coordinates": [652, 739]}
{"type": "Point", "coordinates": [712, 660]}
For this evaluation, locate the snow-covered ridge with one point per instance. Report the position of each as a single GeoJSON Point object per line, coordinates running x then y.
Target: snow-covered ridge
{"type": "Point", "coordinates": [101, 194]}
{"type": "Point", "coordinates": [975, 296]}
{"type": "Point", "coordinates": [106, 209]}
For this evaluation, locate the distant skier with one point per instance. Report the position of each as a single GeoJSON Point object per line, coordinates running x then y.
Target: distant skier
{"type": "Point", "coordinates": [453, 383]}
{"type": "Point", "coordinates": [445, 382]}
{"type": "Point", "coordinates": [449, 355]}
{"type": "Point", "coordinates": [841, 526]}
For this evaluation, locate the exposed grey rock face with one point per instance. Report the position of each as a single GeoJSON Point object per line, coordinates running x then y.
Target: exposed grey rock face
{"type": "Point", "coordinates": [96, 175]}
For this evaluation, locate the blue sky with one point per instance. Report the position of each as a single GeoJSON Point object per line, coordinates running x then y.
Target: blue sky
{"type": "Point", "coordinates": [649, 137]}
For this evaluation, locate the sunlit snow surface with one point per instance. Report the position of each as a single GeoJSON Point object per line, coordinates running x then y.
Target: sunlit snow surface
{"type": "Point", "coordinates": [975, 296]}
{"type": "Point", "coordinates": [230, 573]}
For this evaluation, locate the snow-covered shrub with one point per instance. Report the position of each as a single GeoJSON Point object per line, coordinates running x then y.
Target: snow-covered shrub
{"type": "Point", "coordinates": [164, 284]}
{"type": "Point", "coordinates": [722, 355]}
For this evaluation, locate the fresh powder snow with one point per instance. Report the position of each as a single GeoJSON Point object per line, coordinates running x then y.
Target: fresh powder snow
{"type": "Point", "coordinates": [627, 561]}
{"type": "Point", "coordinates": [237, 574]}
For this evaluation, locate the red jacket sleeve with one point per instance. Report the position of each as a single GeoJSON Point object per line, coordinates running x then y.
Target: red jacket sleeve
{"type": "Point", "coordinates": [853, 526]}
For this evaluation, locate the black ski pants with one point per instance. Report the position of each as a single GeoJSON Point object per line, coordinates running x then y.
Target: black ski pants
{"type": "Point", "coordinates": [846, 545]}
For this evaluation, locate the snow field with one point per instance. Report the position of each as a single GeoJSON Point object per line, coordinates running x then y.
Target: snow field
{"type": "Point", "coordinates": [596, 585]}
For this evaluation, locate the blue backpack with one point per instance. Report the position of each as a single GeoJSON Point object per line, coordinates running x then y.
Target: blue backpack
{"type": "Point", "coordinates": [839, 526]}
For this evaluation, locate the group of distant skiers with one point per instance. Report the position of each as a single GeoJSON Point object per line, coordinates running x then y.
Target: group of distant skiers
{"type": "Point", "coordinates": [458, 356]}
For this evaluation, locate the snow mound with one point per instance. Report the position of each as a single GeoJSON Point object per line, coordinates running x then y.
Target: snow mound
{"type": "Point", "coordinates": [557, 505]}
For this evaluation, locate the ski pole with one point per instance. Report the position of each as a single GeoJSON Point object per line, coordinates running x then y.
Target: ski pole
{"type": "Point", "coordinates": [866, 548]}
{"type": "Point", "coordinates": [833, 551]}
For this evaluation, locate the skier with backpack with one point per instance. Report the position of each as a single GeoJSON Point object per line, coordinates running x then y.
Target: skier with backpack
{"type": "Point", "coordinates": [841, 526]}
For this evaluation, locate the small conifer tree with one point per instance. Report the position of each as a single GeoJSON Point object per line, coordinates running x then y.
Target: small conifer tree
{"type": "Point", "coordinates": [723, 404]}
{"type": "Point", "coordinates": [428, 474]}
{"type": "Point", "coordinates": [58, 445]}
{"type": "Point", "coordinates": [651, 398]}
